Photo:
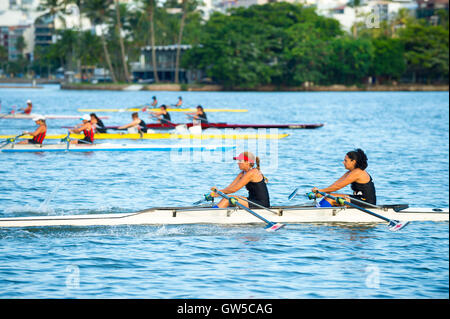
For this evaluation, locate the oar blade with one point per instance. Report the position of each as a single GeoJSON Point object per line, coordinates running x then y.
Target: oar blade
{"type": "Point", "coordinates": [294, 193]}
{"type": "Point", "coordinates": [274, 227]}
{"type": "Point", "coordinates": [396, 225]}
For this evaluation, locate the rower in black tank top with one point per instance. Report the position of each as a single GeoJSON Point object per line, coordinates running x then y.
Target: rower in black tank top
{"type": "Point", "coordinates": [143, 126]}
{"type": "Point", "coordinates": [166, 118]}
{"type": "Point", "coordinates": [365, 192]}
{"type": "Point", "coordinates": [258, 193]}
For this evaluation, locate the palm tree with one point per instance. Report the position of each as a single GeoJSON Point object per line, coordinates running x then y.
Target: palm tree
{"type": "Point", "coordinates": [180, 37]}
{"type": "Point", "coordinates": [122, 47]}
{"type": "Point", "coordinates": [97, 11]}
{"type": "Point", "coordinates": [402, 17]}
{"type": "Point", "coordinates": [150, 7]}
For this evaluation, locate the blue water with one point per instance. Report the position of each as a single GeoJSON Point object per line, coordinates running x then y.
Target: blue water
{"type": "Point", "coordinates": [406, 138]}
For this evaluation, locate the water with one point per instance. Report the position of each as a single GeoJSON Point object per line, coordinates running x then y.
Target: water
{"type": "Point", "coordinates": [405, 136]}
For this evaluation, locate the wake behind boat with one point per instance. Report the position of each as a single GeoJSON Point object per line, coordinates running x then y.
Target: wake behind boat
{"type": "Point", "coordinates": [67, 147]}
{"type": "Point", "coordinates": [232, 216]}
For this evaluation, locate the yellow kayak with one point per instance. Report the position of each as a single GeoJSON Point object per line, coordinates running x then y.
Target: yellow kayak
{"type": "Point", "coordinates": [157, 136]}
{"type": "Point", "coordinates": [158, 109]}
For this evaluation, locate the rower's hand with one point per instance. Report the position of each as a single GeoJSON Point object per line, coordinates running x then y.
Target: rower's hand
{"type": "Point", "coordinates": [213, 193]}
{"type": "Point", "coordinates": [315, 191]}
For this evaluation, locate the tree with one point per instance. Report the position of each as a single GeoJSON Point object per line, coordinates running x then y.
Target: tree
{"type": "Point", "coordinates": [122, 47]}
{"type": "Point", "coordinates": [149, 8]}
{"type": "Point", "coordinates": [97, 11]}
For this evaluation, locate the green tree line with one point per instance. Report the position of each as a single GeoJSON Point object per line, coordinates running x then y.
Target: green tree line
{"type": "Point", "coordinates": [278, 44]}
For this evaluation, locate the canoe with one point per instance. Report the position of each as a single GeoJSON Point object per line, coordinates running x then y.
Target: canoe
{"type": "Point", "coordinates": [157, 136]}
{"type": "Point", "coordinates": [159, 126]}
{"type": "Point", "coordinates": [21, 116]}
{"type": "Point", "coordinates": [158, 109]}
{"type": "Point", "coordinates": [62, 147]}
{"type": "Point", "coordinates": [232, 216]}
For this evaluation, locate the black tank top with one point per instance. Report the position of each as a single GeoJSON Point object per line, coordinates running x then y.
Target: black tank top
{"type": "Point", "coordinates": [203, 118]}
{"type": "Point", "coordinates": [166, 118]}
{"type": "Point", "coordinates": [143, 126]}
{"type": "Point", "coordinates": [258, 193]}
{"type": "Point", "coordinates": [365, 191]}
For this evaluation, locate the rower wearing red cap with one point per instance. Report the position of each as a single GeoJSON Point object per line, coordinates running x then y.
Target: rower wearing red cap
{"type": "Point", "coordinates": [86, 128]}
{"type": "Point", "coordinates": [250, 177]}
{"type": "Point", "coordinates": [39, 133]}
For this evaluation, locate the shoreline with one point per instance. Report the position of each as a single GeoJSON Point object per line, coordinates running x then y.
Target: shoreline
{"type": "Point", "coordinates": [268, 88]}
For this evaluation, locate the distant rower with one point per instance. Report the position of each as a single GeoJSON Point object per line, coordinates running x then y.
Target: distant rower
{"type": "Point", "coordinates": [180, 102]}
{"type": "Point", "coordinates": [39, 133]}
{"type": "Point", "coordinates": [361, 182]}
{"type": "Point", "coordinates": [87, 129]}
{"type": "Point", "coordinates": [29, 107]}
{"type": "Point", "coordinates": [155, 101]}
{"type": "Point", "coordinates": [199, 117]}
{"type": "Point", "coordinates": [163, 116]}
{"type": "Point", "coordinates": [136, 126]}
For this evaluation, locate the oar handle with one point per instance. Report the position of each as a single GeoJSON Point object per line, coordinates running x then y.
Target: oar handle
{"type": "Point", "coordinates": [234, 201]}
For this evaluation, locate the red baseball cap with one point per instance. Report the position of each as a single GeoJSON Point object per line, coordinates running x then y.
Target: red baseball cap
{"type": "Point", "coordinates": [246, 156]}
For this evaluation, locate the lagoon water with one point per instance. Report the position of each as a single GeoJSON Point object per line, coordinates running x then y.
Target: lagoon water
{"type": "Point", "coordinates": [406, 138]}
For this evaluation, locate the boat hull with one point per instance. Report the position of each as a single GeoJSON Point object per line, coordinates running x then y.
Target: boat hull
{"type": "Point", "coordinates": [109, 147]}
{"type": "Point", "coordinates": [231, 216]}
{"type": "Point", "coordinates": [21, 116]}
{"type": "Point", "coordinates": [157, 136]}
{"type": "Point", "coordinates": [159, 126]}
{"type": "Point", "coordinates": [158, 109]}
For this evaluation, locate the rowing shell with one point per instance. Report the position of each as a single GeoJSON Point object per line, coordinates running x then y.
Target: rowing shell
{"type": "Point", "coordinates": [62, 147]}
{"type": "Point", "coordinates": [158, 109]}
{"type": "Point", "coordinates": [157, 136]}
{"type": "Point", "coordinates": [165, 126]}
{"type": "Point", "coordinates": [21, 116]}
{"type": "Point", "coordinates": [195, 215]}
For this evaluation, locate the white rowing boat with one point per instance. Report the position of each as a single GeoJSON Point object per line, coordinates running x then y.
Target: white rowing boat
{"type": "Point", "coordinates": [64, 147]}
{"type": "Point", "coordinates": [196, 215]}
{"type": "Point", "coordinates": [21, 116]}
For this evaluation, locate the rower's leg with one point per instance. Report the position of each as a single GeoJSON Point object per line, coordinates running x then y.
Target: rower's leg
{"type": "Point", "coordinates": [224, 203]}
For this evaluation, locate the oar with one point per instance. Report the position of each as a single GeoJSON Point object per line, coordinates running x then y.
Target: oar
{"type": "Point", "coordinates": [11, 140]}
{"type": "Point", "coordinates": [393, 225]}
{"type": "Point", "coordinates": [271, 226]}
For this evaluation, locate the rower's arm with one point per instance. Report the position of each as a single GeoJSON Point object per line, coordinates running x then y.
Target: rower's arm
{"type": "Point", "coordinates": [345, 180]}
{"type": "Point", "coordinates": [238, 183]}
{"type": "Point", "coordinates": [127, 125]}
{"type": "Point", "coordinates": [38, 131]}
{"type": "Point", "coordinates": [79, 129]}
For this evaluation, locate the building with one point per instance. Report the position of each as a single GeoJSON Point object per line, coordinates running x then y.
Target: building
{"type": "Point", "coordinates": [428, 9]}
{"type": "Point", "coordinates": [165, 65]}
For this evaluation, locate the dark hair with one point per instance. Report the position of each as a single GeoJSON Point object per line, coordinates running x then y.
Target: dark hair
{"type": "Point", "coordinates": [164, 106]}
{"type": "Point", "coordinates": [360, 157]}
{"type": "Point", "coordinates": [154, 97]}
{"type": "Point", "coordinates": [94, 115]}
{"type": "Point", "coordinates": [134, 114]}
{"type": "Point", "coordinates": [200, 107]}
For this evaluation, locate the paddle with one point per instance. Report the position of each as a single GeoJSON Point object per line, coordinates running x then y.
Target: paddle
{"type": "Point", "coordinates": [393, 225]}
{"type": "Point", "coordinates": [271, 226]}
{"type": "Point", "coordinates": [11, 140]}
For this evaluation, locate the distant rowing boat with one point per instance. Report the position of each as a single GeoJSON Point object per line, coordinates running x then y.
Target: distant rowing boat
{"type": "Point", "coordinates": [64, 147]}
{"type": "Point", "coordinates": [158, 109]}
{"type": "Point", "coordinates": [157, 136]}
{"type": "Point", "coordinates": [159, 126]}
{"type": "Point", "coordinates": [21, 116]}
{"type": "Point", "coordinates": [196, 215]}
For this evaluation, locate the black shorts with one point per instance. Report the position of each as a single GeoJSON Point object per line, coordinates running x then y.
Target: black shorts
{"type": "Point", "coordinates": [33, 142]}
{"type": "Point", "coordinates": [359, 197]}
{"type": "Point", "coordinates": [264, 204]}
{"type": "Point", "coordinates": [85, 140]}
